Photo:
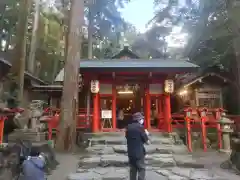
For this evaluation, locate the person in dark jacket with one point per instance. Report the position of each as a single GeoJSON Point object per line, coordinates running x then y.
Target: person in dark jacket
{"type": "Point", "coordinates": [136, 137]}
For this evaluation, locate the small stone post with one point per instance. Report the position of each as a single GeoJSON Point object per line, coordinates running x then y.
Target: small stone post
{"type": "Point", "coordinates": [226, 129]}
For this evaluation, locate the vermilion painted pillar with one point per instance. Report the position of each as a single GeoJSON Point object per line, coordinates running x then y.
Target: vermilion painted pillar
{"type": "Point", "coordinates": [160, 111]}
{"type": "Point", "coordinates": [96, 113]}
{"type": "Point", "coordinates": [114, 107]}
{"type": "Point", "coordinates": [147, 122]}
{"type": "Point", "coordinates": [167, 112]}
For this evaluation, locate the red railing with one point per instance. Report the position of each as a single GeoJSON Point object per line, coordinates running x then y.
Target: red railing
{"type": "Point", "coordinates": [83, 121]}
{"type": "Point", "coordinates": [4, 113]}
{"type": "Point", "coordinates": [201, 119]}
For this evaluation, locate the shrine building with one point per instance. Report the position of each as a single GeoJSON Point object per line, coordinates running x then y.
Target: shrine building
{"type": "Point", "coordinates": [112, 88]}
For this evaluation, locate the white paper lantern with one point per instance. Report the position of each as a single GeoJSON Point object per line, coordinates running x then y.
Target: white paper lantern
{"type": "Point", "coordinates": [95, 86]}
{"type": "Point", "coordinates": [169, 86]}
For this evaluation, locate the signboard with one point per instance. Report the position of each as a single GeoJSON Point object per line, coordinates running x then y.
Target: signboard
{"type": "Point", "coordinates": [106, 114]}
{"type": "Point", "coordinates": [208, 95]}
{"type": "Point", "coordinates": [169, 86]}
{"type": "Point", "coordinates": [95, 86]}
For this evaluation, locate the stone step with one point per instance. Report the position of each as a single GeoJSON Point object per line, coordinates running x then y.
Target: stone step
{"type": "Point", "coordinates": [153, 173]}
{"type": "Point", "coordinates": [161, 149]}
{"type": "Point", "coordinates": [115, 174]}
{"type": "Point", "coordinates": [122, 149]}
{"type": "Point", "coordinates": [120, 140]}
{"type": "Point", "coordinates": [158, 160]}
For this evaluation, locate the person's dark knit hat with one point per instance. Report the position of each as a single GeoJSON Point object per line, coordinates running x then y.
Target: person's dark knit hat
{"type": "Point", "coordinates": [137, 116]}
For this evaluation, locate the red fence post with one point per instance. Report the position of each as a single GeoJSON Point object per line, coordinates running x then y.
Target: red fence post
{"type": "Point", "coordinates": [203, 113]}
{"type": "Point", "coordinates": [188, 112]}
{"type": "Point", "coordinates": [2, 119]}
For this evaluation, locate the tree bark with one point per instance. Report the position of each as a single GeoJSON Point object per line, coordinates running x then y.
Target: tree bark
{"type": "Point", "coordinates": [18, 67]}
{"type": "Point", "coordinates": [90, 35]}
{"type": "Point", "coordinates": [33, 47]}
{"type": "Point", "coordinates": [67, 135]}
{"type": "Point", "coordinates": [233, 9]}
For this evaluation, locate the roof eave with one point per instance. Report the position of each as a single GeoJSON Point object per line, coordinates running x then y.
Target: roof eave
{"type": "Point", "coordinates": [199, 78]}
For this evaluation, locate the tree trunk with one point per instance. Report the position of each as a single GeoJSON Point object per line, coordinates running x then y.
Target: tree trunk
{"type": "Point", "coordinates": [33, 47]}
{"type": "Point", "coordinates": [90, 35]}
{"type": "Point", "coordinates": [235, 27]}
{"type": "Point", "coordinates": [67, 135]}
{"type": "Point", "coordinates": [16, 74]}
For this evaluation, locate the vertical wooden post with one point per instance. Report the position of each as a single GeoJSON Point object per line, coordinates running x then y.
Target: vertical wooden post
{"type": "Point", "coordinates": [88, 105]}
{"type": "Point", "coordinates": [147, 122]}
{"type": "Point", "coordinates": [167, 112]}
{"type": "Point", "coordinates": [114, 107]}
{"type": "Point", "coordinates": [160, 111]}
{"type": "Point", "coordinates": [96, 109]}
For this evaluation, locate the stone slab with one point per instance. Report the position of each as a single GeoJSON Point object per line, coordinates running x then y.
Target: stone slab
{"type": "Point", "coordinates": [184, 172]}
{"type": "Point", "coordinates": [162, 149]}
{"type": "Point", "coordinates": [176, 177]}
{"type": "Point", "coordinates": [84, 176]}
{"type": "Point", "coordinates": [187, 161]}
{"type": "Point", "coordinates": [100, 149]}
{"type": "Point", "coordinates": [114, 160]}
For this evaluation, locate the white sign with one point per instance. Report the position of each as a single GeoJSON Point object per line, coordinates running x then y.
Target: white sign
{"type": "Point", "coordinates": [169, 86]}
{"type": "Point", "coordinates": [106, 114]}
{"type": "Point", "coordinates": [95, 86]}
{"type": "Point", "coordinates": [208, 95]}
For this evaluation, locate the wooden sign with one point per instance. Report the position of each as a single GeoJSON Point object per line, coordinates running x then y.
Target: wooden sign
{"type": "Point", "coordinates": [169, 86]}
{"type": "Point", "coordinates": [106, 114]}
{"type": "Point", "coordinates": [95, 86]}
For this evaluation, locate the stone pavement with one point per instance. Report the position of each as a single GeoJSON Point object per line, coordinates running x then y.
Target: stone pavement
{"type": "Point", "coordinates": [68, 164]}
{"type": "Point", "coordinates": [166, 159]}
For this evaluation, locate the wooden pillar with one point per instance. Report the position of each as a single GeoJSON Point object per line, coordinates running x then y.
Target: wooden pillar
{"type": "Point", "coordinates": [160, 111]}
{"type": "Point", "coordinates": [96, 113]}
{"type": "Point", "coordinates": [88, 105]}
{"type": "Point", "coordinates": [114, 107]}
{"type": "Point", "coordinates": [147, 122]}
{"type": "Point", "coordinates": [167, 112]}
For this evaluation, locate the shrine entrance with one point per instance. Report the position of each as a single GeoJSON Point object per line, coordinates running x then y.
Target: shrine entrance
{"type": "Point", "coordinates": [125, 80]}
{"type": "Point", "coordinates": [157, 114]}
{"type": "Point", "coordinates": [126, 104]}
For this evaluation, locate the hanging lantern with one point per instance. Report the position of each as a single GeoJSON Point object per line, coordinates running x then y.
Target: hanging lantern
{"type": "Point", "coordinates": [95, 86]}
{"type": "Point", "coordinates": [169, 86]}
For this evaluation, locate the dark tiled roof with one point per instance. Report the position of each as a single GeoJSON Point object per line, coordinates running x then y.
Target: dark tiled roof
{"type": "Point", "coordinates": [27, 74]}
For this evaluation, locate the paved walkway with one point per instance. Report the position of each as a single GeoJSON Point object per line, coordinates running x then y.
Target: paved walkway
{"type": "Point", "coordinates": [106, 160]}
{"type": "Point", "coordinates": [68, 164]}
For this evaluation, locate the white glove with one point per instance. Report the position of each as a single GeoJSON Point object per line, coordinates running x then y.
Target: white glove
{"type": "Point", "coordinates": [146, 131]}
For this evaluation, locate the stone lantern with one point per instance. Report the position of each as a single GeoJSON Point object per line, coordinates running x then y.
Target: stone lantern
{"type": "Point", "coordinates": [225, 124]}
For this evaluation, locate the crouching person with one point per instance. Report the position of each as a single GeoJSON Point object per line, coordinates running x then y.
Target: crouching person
{"type": "Point", "coordinates": [136, 137]}
{"type": "Point", "coordinates": [33, 167]}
